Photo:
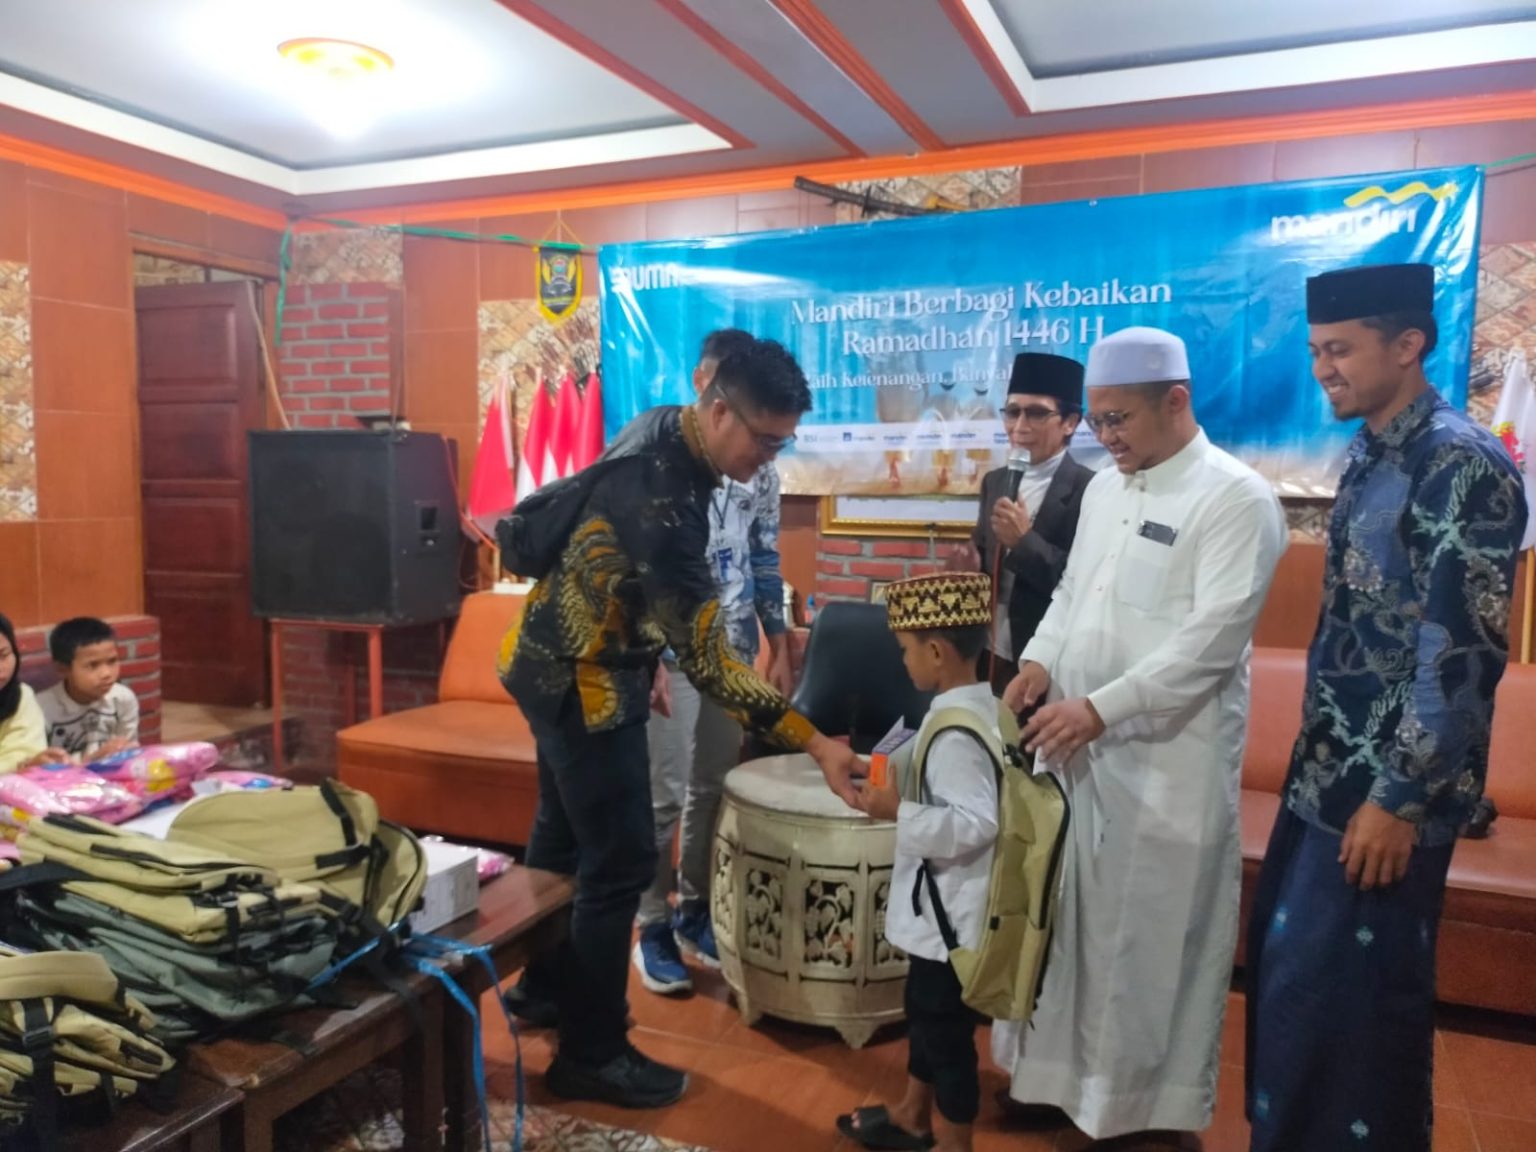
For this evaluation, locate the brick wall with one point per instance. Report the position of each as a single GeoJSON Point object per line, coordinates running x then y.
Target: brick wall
{"type": "Point", "coordinates": [341, 353]}
{"type": "Point", "coordinates": [848, 566]}
{"type": "Point", "coordinates": [138, 639]}
{"type": "Point", "coordinates": [316, 667]}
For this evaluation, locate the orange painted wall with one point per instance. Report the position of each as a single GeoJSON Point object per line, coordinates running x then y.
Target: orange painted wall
{"type": "Point", "coordinates": [83, 553]}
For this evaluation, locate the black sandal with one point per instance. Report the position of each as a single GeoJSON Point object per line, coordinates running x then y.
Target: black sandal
{"type": "Point", "coordinates": [873, 1128]}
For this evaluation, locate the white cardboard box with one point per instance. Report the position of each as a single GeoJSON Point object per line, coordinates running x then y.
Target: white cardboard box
{"type": "Point", "coordinates": [453, 885]}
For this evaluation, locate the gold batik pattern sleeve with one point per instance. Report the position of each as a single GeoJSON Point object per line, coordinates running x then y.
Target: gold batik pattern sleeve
{"type": "Point", "coordinates": [668, 545]}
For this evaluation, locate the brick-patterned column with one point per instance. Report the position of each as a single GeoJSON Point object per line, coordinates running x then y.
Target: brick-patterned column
{"type": "Point", "coordinates": [846, 566]}
{"type": "Point", "coordinates": [341, 353]}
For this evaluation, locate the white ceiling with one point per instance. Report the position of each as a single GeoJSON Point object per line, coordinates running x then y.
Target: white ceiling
{"type": "Point", "coordinates": [467, 73]}
{"type": "Point", "coordinates": [1072, 37]}
{"type": "Point", "coordinates": [490, 97]}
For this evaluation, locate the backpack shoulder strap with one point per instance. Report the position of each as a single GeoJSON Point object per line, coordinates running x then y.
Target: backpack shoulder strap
{"type": "Point", "coordinates": [962, 720]}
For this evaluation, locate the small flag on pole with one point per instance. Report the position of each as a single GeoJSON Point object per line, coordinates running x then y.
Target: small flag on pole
{"type": "Point", "coordinates": [532, 469]}
{"type": "Point", "coordinates": [492, 489]}
{"type": "Point", "coordinates": [590, 441]}
{"type": "Point", "coordinates": [567, 427]}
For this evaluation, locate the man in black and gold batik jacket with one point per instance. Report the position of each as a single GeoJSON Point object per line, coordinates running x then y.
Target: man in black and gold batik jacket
{"type": "Point", "coordinates": [633, 580]}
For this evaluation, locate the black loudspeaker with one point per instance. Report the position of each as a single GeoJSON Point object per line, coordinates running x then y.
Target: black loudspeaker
{"type": "Point", "coordinates": [361, 527]}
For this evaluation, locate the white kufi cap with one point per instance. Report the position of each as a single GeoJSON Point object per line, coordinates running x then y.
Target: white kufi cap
{"type": "Point", "coordinates": [1136, 356]}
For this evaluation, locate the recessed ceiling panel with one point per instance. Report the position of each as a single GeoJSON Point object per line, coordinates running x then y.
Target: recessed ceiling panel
{"type": "Point", "coordinates": [467, 74]}
{"type": "Point", "coordinates": [1071, 37]}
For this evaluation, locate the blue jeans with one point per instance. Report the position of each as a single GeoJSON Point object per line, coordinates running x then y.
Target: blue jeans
{"type": "Point", "coordinates": [593, 822]}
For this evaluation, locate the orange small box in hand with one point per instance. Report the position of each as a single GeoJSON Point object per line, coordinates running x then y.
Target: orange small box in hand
{"type": "Point", "coordinates": [880, 757]}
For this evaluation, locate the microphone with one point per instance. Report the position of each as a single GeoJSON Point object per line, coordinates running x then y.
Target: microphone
{"type": "Point", "coordinates": [1018, 460]}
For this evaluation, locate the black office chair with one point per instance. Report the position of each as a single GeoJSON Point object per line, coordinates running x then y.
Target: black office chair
{"type": "Point", "coordinates": [852, 682]}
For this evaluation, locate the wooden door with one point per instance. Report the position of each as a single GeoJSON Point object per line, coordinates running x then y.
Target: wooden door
{"type": "Point", "coordinates": [200, 391]}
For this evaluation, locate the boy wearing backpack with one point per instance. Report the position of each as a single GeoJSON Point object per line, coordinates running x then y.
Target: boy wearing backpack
{"type": "Point", "coordinates": [945, 837]}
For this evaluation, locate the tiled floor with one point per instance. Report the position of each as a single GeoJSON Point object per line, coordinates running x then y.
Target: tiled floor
{"type": "Point", "coordinates": [779, 1087]}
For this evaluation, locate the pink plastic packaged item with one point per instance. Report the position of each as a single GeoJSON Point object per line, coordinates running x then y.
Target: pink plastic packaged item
{"type": "Point", "coordinates": [228, 780]}
{"type": "Point", "coordinates": [158, 772]}
{"type": "Point", "coordinates": [64, 790]}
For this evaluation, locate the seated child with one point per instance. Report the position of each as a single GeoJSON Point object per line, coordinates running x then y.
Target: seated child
{"type": "Point", "coordinates": [942, 624]}
{"type": "Point", "coordinates": [23, 741]}
{"type": "Point", "coordinates": [88, 713]}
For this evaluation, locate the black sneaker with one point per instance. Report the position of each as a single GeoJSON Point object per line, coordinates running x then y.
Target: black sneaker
{"type": "Point", "coordinates": [630, 1080]}
{"type": "Point", "coordinates": [533, 1010]}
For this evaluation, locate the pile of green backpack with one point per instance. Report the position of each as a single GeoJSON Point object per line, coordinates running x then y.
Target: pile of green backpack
{"type": "Point", "coordinates": [251, 898]}
{"type": "Point", "coordinates": [70, 1039]}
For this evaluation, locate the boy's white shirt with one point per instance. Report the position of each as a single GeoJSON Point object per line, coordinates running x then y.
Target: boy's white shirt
{"type": "Point", "coordinates": [955, 830]}
{"type": "Point", "coordinates": [82, 729]}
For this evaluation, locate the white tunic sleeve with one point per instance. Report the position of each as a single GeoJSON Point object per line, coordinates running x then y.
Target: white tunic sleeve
{"type": "Point", "coordinates": [961, 818]}
{"type": "Point", "coordinates": [1238, 552]}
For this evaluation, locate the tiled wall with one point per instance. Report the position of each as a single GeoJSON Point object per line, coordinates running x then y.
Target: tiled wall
{"type": "Point", "coordinates": [81, 553]}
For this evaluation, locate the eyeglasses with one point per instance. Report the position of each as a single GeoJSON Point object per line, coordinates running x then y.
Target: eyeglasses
{"type": "Point", "coordinates": [1034, 413]}
{"type": "Point", "coordinates": [1110, 420]}
{"type": "Point", "coordinates": [769, 445]}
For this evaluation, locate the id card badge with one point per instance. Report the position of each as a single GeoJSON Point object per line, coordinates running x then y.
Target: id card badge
{"type": "Point", "coordinates": [723, 558]}
{"type": "Point", "coordinates": [1158, 533]}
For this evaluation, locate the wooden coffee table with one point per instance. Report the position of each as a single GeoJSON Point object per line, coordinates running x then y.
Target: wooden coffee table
{"type": "Point", "coordinates": [321, 1047]}
{"type": "Point", "coordinates": [521, 914]}
{"type": "Point", "coordinates": [192, 1127]}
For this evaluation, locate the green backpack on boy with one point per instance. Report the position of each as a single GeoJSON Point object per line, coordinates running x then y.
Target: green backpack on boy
{"type": "Point", "coordinates": [1001, 977]}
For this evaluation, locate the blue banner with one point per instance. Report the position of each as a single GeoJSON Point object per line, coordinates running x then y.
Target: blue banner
{"type": "Point", "coordinates": [907, 329]}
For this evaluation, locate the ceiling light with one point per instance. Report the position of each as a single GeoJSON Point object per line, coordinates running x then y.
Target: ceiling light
{"type": "Point", "coordinates": [341, 79]}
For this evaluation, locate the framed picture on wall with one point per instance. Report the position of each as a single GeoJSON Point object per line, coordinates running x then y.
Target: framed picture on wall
{"type": "Point", "coordinates": [877, 592]}
{"type": "Point", "coordinates": [946, 517]}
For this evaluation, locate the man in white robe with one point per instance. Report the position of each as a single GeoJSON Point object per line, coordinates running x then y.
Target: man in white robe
{"type": "Point", "coordinates": [1143, 660]}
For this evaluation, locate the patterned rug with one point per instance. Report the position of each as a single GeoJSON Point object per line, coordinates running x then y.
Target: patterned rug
{"type": "Point", "coordinates": [362, 1114]}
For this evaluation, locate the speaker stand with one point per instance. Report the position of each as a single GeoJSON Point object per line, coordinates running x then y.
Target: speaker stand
{"type": "Point", "coordinates": [375, 634]}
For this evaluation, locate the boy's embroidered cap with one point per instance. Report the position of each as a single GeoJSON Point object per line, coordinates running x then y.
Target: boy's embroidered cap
{"type": "Point", "coordinates": [943, 600]}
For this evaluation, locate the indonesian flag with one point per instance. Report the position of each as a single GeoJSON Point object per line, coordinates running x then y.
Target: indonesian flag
{"type": "Point", "coordinates": [532, 469]}
{"type": "Point", "coordinates": [492, 490]}
{"type": "Point", "coordinates": [1514, 423]}
{"type": "Point", "coordinates": [590, 441]}
{"type": "Point", "coordinates": [563, 445]}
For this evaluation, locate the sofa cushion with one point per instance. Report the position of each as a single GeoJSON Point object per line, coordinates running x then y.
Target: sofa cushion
{"type": "Point", "coordinates": [1490, 880]}
{"type": "Point", "coordinates": [1277, 679]}
{"type": "Point", "coordinates": [462, 729]}
{"type": "Point", "coordinates": [469, 668]}
{"type": "Point", "coordinates": [1512, 749]}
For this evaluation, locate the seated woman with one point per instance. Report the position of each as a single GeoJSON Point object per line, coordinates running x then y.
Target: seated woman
{"type": "Point", "coordinates": [23, 740]}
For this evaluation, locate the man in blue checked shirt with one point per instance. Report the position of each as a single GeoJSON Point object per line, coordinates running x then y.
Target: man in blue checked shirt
{"type": "Point", "coordinates": [1393, 750]}
{"type": "Point", "coordinates": [693, 743]}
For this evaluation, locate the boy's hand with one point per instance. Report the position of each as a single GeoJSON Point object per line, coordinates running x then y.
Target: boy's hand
{"type": "Point", "coordinates": [113, 747]}
{"type": "Point", "coordinates": [878, 801]}
{"type": "Point", "coordinates": [48, 756]}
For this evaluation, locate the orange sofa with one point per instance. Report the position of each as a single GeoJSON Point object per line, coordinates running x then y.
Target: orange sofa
{"type": "Point", "coordinates": [464, 767]}
{"type": "Point", "coordinates": [1487, 946]}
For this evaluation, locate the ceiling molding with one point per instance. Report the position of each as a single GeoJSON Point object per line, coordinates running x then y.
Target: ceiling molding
{"type": "Point", "coordinates": [964, 19]}
{"type": "Point", "coordinates": [1198, 134]}
{"type": "Point", "coordinates": [814, 25]}
{"type": "Point", "coordinates": [35, 155]}
{"type": "Point", "coordinates": [707, 32]}
{"type": "Point", "coordinates": [546, 22]}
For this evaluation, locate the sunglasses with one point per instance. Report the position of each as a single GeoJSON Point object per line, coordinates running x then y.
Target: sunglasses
{"type": "Point", "coordinates": [1033, 413]}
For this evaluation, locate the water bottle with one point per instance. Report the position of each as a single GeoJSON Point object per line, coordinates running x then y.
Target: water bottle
{"type": "Point", "coordinates": [810, 610]}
